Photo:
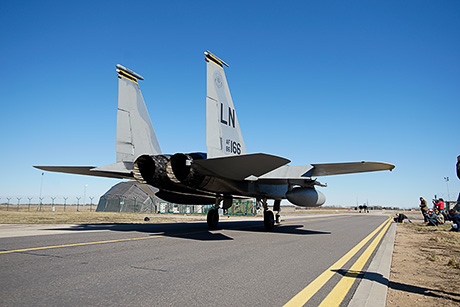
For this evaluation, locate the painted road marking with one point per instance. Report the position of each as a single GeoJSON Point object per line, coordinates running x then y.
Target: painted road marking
{"type": "Point", "coordinates": [336, 296]}
{"type": "Point", "coordinates": [125, 240]}
{"type": "Point", "coordinates": [303, 296]}
{"type": "Point", "coordinates": [76, 244]}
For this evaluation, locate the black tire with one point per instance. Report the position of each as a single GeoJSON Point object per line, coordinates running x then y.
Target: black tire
{"type": "Point", "coordinates": [269, 220]}
{"type": "Point", "coordinates": [213, 218]}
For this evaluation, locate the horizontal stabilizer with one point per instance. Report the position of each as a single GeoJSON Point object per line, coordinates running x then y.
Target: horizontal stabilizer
{"type": "Point", "coordinates": [240, 167]}
{"type": "Point", "coordinates": [117, 172]}
{"type": "Point", "coordinates": [327, 169]}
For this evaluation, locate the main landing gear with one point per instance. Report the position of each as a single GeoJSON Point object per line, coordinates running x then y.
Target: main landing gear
{"type": "Point", "coordinates": [269, 217]}
{"type": "Point", "coordinates": [213, 214]}
{"type": "Point", "coordinates": [269, 220]}
{"type": "Point", "coordinates": [213, 218]}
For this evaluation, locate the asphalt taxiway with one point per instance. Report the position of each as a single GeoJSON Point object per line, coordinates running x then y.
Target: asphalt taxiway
{"type": "Point", "coordinates": [307, 260]}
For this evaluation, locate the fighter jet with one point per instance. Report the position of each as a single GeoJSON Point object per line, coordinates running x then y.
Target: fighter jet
{"type": "Point", "coordinates": [224, 173]}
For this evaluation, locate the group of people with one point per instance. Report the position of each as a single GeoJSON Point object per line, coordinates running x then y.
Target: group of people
{"type": "Point", "coordinates": [437, 214]}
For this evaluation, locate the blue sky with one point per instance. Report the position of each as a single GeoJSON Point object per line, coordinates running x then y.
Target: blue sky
{"type": "Point", "coordinates": [312, 81]}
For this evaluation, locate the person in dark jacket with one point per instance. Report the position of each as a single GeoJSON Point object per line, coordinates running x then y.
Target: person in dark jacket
{"type": "Point", "coordinates": [400, 218]}
{"type": "Point", "coordinates": [458, 175]}
{"type": "Point", "coordinates": [455, 218]}
{"type": "Point", "coordinates": [458, 167]}
{"type": "Point", "coordinates": [424, 208]}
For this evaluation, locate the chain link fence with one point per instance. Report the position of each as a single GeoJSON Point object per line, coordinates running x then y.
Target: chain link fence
{"type": "Point", "coordinates": [48, 207]}
{"type": "Point", "coordinates": [154, 205]}
{"type": "Point", "coordinates": [130, 204]}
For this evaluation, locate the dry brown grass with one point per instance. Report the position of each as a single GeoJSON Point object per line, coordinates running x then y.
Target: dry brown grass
{"type": "Point", "coordinates": [47, 217]}
{"type": "Point", "coordinates": [45, 214]}
{"type": "Point", "coordinates": [425, 269]}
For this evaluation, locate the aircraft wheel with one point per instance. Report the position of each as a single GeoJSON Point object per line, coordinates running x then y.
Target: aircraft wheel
{"type": "Point", "coordinates": [269, 220]}
{"type": "Point", "coordinates": [213, 218]}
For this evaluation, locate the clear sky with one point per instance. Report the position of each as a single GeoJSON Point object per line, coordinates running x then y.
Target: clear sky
{"type": "Point", "coordinates": [312, 81]}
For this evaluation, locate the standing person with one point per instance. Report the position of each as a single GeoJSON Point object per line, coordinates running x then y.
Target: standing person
{"type": "Point", "coordinates": [441, 207]}
{"type": "Point", "coordinates": [424, 209]}
{"type": "Point", "coordinates": [435, 203]}
{"type": "Point", "coordinates": [458, 167]}
{"type": "Point", "coordinates": [458, 175]}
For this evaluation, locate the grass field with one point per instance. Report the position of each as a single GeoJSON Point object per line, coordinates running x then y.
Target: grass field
{"type": "Point", "coordinates": [86, 217]}
{"type": "Point", "coordinates": [60, 214]}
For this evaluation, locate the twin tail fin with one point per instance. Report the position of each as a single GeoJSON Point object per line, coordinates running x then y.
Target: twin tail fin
{"type": "Point", "coordinates": [223, 133]}
{"type": "Point", "coordinates": [135, 134]}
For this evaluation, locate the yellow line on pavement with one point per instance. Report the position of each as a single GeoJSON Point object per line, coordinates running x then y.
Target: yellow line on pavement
{"type": "Point", "coordinates": [336, 296]}
{"type": "Point", "coordinates": [303, 296]}
{"type": "Point", "coordinates": [120, 240]}
{"type": "Point", "coordinates": [98, 242]}
{"type": "Point", "coordinates": [76, 244]}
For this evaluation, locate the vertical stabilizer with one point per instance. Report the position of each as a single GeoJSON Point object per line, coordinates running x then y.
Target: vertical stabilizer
{"type": "Point", "coordinates": [223, 133]}
{"type": "Point", "coordinates": [135, 134]}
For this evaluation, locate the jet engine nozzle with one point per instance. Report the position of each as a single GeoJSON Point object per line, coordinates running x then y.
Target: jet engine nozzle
{"type": "Point", "coordinates": [151, 169]}
{"type": "Point", "coordinates": [183, 170]}
{"type": "Point", "coordinates": [305, 197]}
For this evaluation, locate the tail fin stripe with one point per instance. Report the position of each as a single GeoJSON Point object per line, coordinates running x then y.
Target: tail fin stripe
{"type": "Point", "coordinates": [127, 76]}
{"type": "Point", "coordinates": [215, 61]}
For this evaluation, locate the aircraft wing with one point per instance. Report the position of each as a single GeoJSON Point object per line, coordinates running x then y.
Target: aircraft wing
{"type": "Point", "coordinates": [327, 169]}
{"type": "Point", "coordinates": [302, 175]}
{"type": "Point", "coordinates": [242, 166]}
{"type": "Point", "coordinates": [109, 171]}
{"type": "Point", "coordinates": [287, 174]}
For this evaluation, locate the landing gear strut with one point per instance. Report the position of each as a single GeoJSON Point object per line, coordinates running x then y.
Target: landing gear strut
{"type": "Point", "coordinates": [277, 208]}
